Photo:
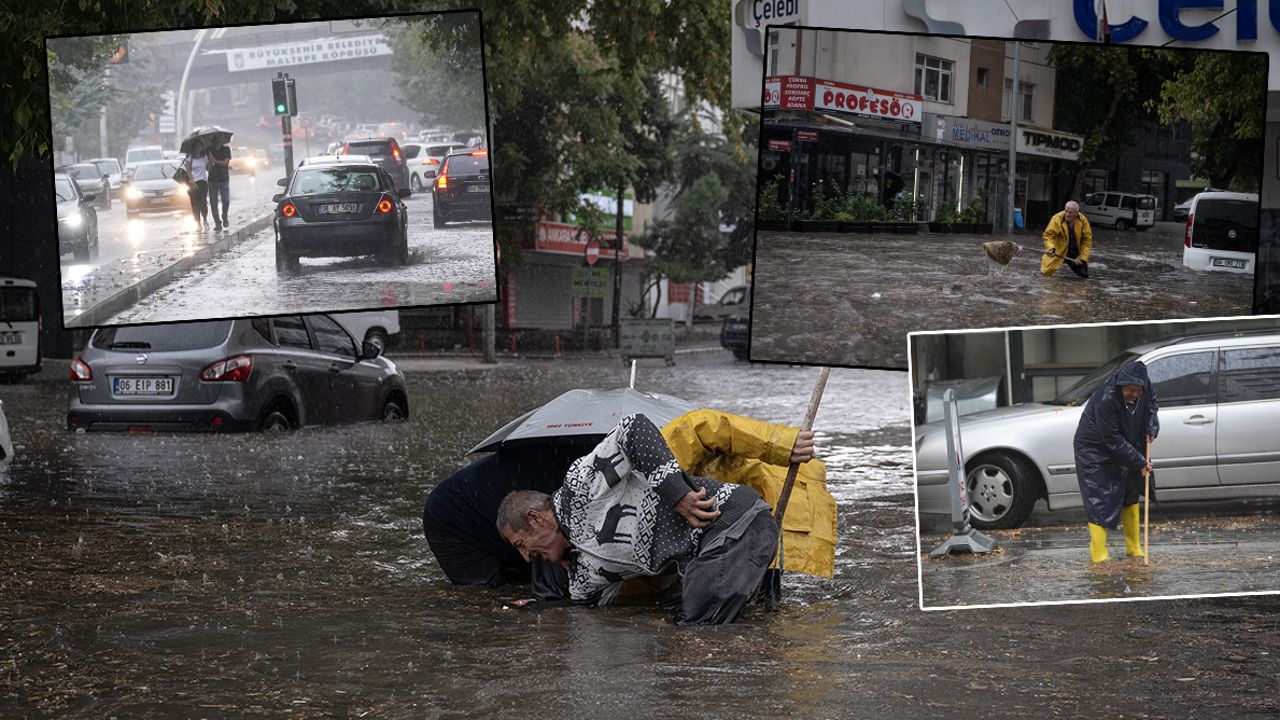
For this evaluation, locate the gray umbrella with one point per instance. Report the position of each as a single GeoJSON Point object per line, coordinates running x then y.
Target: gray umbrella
{"type": "Point", "coordinates": [203, 138]}
{"type": "Point", "coordinates": [584, 413]}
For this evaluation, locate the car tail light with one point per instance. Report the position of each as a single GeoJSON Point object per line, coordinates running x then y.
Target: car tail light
{"type": "Point", "coordinates": [432, 161]}
{"type": "Point", "coordinates": [482, 153]}
{"type": "Point", "coordinates": [234, 369]}
{"type": "Point", "coordinates": [442, 182]}
{"type": "Point", "coordinates": [288, 210]}
{"type": "Point", "coordinates": [1186, 238]}
{"type": "Point", "coordinates": [346, 149]}
{"type": "Point", "coordinates": [395, 152]}
{"type": "Point", "coordinates": [80, 372]}
{"type": "Point", "coordinates": [385, 206]}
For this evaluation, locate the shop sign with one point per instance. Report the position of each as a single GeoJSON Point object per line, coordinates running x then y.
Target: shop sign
{"type": "Point", "coordinates": [1049, 143]}
{"type": "Point", "coordinates": [788, 93]}
{"type": "Point", "coordinates": [780, 145]}
{"type": "Point", "coordinates": [807, 136]}
{"type": "Point", "coordinates": [565, 239]}
{"type": "Point", "coordinates": [967, 132]}
{"type": "Point", "coordinates": [867, 101]}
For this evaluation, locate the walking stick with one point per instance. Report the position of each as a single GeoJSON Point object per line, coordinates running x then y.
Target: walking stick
{"type": "Point", "coordinates": [1146, 511]}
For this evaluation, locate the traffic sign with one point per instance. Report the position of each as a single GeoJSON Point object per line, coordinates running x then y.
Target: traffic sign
{"type": "Point", "coordinates": [592, 252]}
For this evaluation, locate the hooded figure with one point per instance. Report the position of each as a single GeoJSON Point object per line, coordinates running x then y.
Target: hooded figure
{"type": "Point", "coordinates": [1110, 445]}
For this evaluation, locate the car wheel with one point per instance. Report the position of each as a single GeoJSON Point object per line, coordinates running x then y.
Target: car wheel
{"type": "Point", "coordinates": [415, 183]}
{"type": "Point", "coordinates": [378, 337]}
{"type": "Point", "coordinates": [1002, 491]}
{"type": "Point", "coordinates": [437, 215]}
{"type": "Point", "coordinates": [394, 411]}
{"type": "Point", "coordinates": [402, 256]}
{"type": "Point", "coordinates": [1122, 224]}
{"type": "Point", "coordinates": [276, 421]}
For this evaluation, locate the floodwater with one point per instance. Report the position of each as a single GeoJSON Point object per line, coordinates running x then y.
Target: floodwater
{"type": "Point", "coordinates": [286, 576]}
{"type": "Point", "coordinates": [850, 299]}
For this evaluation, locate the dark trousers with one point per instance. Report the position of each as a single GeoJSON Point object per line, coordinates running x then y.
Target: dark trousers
{"type": "Point", "coordinates": [718, 583]}
{"type": "Point", "coordinates": [219, 189]}
{"type": "Point", "coordinates": [200, 200]}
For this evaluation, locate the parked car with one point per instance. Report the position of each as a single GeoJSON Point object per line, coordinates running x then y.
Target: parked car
{"type": "Point", "coordinates": [372, 326]}
{"type": "Point", "coordinates": [424, 165]}
{"type": "Point", "coordinates": [153, 188]}
{"type": "Point", "coordinates": [276, 373]}
{"type": "Point", "coordinates": [91, 180]}
{"type": "Point", "coordinates": [77, 220]}
{"type": "Point", "coordinates": [734, 334]}
{"type": "Point", "coordinates": [734, 300]}
{"type": "Point", "coordinates": [140, 154]}
{"type": "Point", "coordinates": [386, 153]}
{"type": "Point", "coordinates": [1222, 232]}
{"type": "Point", "coordinates": [1219, 397]}
{"type": "Point", "coordinates": [19, 328]}
{"type": "Point", "coordinates": [111, 168]}
{"type": "Point", "coordinates": [461, 190]}
{"type": "Point", "coordinates": [340, 209]}
{"type": "Point", "coordinates": [1123, 210]}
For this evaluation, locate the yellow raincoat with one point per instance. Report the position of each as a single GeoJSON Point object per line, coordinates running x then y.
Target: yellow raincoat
{"type": "Point", "coordinates": [737, 449]}
{"type": "Point", "coordinates": [1055, 238]}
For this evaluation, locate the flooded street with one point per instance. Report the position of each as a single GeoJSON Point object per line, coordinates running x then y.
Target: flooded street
{"type": "Point", "coordinates": [868, 291]}
{"type": "Point", "coordinates": [287, 576]}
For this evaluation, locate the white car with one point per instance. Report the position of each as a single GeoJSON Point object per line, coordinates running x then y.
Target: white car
{"type": "Point", "coordinates": [424, 161]}
{"type": "Point", "coordinates": [1222, 232]}
{"type": "Point", "coordinates": [141, 154]}
{"type": "Point", "coordinates": [111, 168]}
{"type": "Point", "coordinates": [375, 326]}
{"type": "Point", "coordinates": [1123, 210]}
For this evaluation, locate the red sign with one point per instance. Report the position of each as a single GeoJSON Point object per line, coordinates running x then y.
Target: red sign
{"type": "Point", "coordinates": [780, 145]}
{"type": "Point", "coordinates": [565, 239]}
{"type": "Point", "coordinates": [868, 101]}
{"type": "Point", "coordinates": [807, 136]}
{"type": "Point", "coordinates": [592, 252]}
{"type": "Point", "coordinates": [788, 92]}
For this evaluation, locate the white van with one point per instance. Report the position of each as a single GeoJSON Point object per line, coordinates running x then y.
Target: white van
{"type": "Point", "coordinates": [1222, 232]}
{"type": "Point", "coordinates": [1123, 210]}
{"type": "Point", "coordinates": [140, 154]}
{"type": "Point", "coordinates": [19, 327]}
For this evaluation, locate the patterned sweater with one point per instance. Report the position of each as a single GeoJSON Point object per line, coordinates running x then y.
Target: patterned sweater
{"type": "Point", "coordinates": [617, 508]}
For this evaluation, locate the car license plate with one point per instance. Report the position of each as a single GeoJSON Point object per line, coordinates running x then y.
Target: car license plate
{"type": "Point", "coordinates": [10, 338]}
{"type": "Point", "coordinates": [478, 188]}
{"type": "Point", "coordinates": [337, 208]}
{"type": "Point", "coordinates": [159, 200]}
{"type": "Point", "coordinates": [142, 385]}
{"type": "Point", "coordinates": [1228, 263]}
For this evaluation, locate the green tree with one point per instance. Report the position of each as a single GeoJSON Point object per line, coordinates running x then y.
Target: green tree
{"type": "Point", "coordinates": [1226, 127]}
{"type": "Point", "coordinates": [444, 91]}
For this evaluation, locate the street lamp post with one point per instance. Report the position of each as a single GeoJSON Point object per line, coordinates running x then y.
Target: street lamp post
{"type": "Point", "coordinates": [180, 105]}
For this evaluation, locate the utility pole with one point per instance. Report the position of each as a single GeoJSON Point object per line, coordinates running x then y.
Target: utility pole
{"type": "Point", "coordinates": [1013, 140]}
{"type": "Point", "coordinates": [617, 269]}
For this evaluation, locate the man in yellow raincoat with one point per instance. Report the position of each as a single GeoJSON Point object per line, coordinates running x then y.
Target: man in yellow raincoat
{"type": "Point", "coordinates": [1068, 238]}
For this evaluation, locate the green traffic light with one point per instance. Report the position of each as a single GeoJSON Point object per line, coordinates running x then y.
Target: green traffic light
{"type": "Point", "coordinates": [279, 108]}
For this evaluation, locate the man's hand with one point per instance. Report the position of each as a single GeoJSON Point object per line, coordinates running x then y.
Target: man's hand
{"type": "Point", "coordinates": [1147, 470]}
{"type": "Point", "coordinates": [802, 451]}
{"type": "Point", "coordinates": [697, 508]}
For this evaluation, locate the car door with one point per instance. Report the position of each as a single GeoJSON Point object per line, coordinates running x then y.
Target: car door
{"type": "Point", "coordinates": [353, 386]}
{"type": "Point", "coordinates": [1095, 210]}
{"type": "Point", "coordinates": [308, 369]}
{"type": "Point", "coordinates": [1185, 453]}
{"type": "Point", "coordinates": [1249, 415]}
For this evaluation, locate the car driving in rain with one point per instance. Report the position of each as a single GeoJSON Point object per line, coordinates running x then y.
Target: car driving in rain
{"type": "Point", "coordinates": [91, 180]}
{"type": "Point", "coordinates": [111, 168]}
{"type": "Point", "coordinates": [140, 154]}
{"type": "Point", "coordinates": [77, 220]}
{"type": "Point", "coordinates": [1218, 394]}
{"type": "Point", "coordinates": [386, 153]}
{"type": "Point", "coordinates": [277, 373]}
{"type": "Point", "coordinates": [424, 161]}
{"type": "Point", "coordinates": [461, 190]}
{"type": "Point", "coordinates": [340, 209]}
{"type": "Point", "coordinates": [152, 187]}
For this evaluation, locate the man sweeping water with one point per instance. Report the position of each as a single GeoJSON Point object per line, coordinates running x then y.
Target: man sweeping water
{"type": "Point", "coordinates": [1118, 421]}
{"type": "Point", "coordinates": [1067, 238]}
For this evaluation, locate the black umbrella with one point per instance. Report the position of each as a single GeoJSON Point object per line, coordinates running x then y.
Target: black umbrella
{"type": "Point", "coordinates": [203, 138]}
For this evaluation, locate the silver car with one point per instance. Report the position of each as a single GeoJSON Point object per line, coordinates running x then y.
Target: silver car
{"type": "Point", "coordinates": [1219, 399]}
{"type": "Point", "coordinates": [274, 373]}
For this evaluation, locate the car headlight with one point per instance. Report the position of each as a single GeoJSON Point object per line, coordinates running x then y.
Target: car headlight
{"type": "Point", "coordinates": [133, 193]}
{"type": "Point", "coordinates": [250, 162]}
{"type": "Point", "coordinates": [72, 221]}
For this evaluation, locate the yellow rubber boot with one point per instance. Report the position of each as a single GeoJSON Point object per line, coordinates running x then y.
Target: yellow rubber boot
{"type": "Point", "coordinates": [1130, 520]}
{"type": "Point", "coordinates": [1098, 543]}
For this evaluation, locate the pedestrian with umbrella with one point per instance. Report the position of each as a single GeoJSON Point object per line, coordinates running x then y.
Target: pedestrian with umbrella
{"type": "Point", "coordinates": [198, 165]}
{"type": "Point", "coordinates": [1112, 441]}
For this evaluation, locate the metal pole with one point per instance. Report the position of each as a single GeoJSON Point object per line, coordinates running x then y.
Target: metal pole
{"type": "Point", "coordinates": [619, 226]}
{"type": "Point", "coordinates": [1013, 140]}
{"type": "Point", "coordinates": [180, 127]}
{"type": "Point", "coordinates": [102, 121]}
{"type": "Point", "coordinates": [490, 335]}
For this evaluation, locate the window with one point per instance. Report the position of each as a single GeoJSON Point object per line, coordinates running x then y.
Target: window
{"type": "Point", "coordinates": [18, 304]}
{"type": "Point", "coordinates": [1185, 379]}
{"type": "Point", "coordinates": [291, 332]}
{"type": "Point", "coordinates": [1094, 200]}
{"type": "Point", "coordinates": [1026, 100]}
{"type": "Point", "coordinates": [175, 337]}
{"type": "Point", "coordinates": [331, 338]}
{"type": "Point", "coordinates": [1250, 374]}
{"type": "Point", "coordinates": [933, 78]}
{"type": "Point", "coordinates": [984, 75]}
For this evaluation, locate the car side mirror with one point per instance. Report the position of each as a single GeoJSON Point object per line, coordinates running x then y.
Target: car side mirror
{"type": "Point", "coordinates": [404, 192]}
{"type": "Point", "coordinates": [369, 350]}
{"type": "Point", "coordinates": [429, 173]}
{"type": "Point", "coordinates": [277, 197]}
{"type": "Point", "coordinates": [283, 182]}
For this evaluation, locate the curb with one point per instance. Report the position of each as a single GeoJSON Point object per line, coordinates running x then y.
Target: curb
{"type": "Point", "coordinates": [130, 296]}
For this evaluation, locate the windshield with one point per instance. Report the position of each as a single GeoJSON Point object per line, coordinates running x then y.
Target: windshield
{"type": "Point", "coordinates": [339, 179]}
{"type": "Point", "coordinates": [107, 167]}
{"type": "Point", "coordinates": [83, 172]}
{"type": "Point", "coordinates": [137, 156]}
{"type": "Point", "coordinates": [439, 151]}
{"type": "Point", "coordinates": [17, 304]}
{"type": "Point", "coordinates": [159, 338]}
{"type": "Point", "coordinates": [1077, 394]}
{"type": "Point", "coordinates": [62, 188]}
{"type": "Point", "coordinates": [1146, 203]}
{"type": "Point", "coordinates": [155, 172]}
{"type": "Point", "coordinates": [377, 147]}
{"type": "Point", "coordinates": [462, 164]}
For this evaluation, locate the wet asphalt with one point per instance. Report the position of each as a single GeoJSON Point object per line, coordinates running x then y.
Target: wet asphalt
{"type": "Point", "coordinates": [866, 291]}
{"type": "Point", "coordinates": [286, 576]}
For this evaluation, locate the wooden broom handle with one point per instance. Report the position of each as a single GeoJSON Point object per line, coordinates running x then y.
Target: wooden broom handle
{"type": "Point", "coordinates": [794, 468]}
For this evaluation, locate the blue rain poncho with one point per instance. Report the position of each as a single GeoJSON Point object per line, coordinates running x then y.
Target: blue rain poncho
{"type": "Point", "coordinates": [1110, 445]}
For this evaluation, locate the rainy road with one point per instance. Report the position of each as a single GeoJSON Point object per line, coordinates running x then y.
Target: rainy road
{"type": "Point", "coordinates": [869, 291]}
{"type": "Point", "coordinates": [286, 576]}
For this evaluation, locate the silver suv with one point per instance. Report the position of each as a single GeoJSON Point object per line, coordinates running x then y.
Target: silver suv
{"type": "Point", "coordinates": [1219, 399]}
{"type": "Point", "coordinates": [275, 373]}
